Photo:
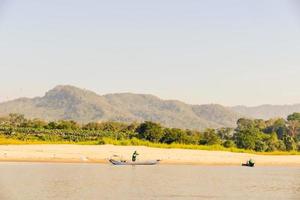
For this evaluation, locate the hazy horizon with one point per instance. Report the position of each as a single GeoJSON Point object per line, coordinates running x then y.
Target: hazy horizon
{"type": "Point", "coordinates": [199, 52]}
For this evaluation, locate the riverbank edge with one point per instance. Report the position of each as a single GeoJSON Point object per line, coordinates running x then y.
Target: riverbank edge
{"type": "Point", "coordinates": [101, 154]}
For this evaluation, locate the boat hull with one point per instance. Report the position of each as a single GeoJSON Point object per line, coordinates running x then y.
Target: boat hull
{"type": "Point", "coordinates": [247, 165]}
{"type": "Point", "coordinates": [150, 162]}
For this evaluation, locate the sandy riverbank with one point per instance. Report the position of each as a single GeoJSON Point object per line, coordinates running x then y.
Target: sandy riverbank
{"type": "Point", "coordinates": [101, 153]}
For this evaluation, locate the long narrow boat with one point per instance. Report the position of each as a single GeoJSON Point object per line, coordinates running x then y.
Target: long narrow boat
{"type": "Point", "coordinates": [149, 162]}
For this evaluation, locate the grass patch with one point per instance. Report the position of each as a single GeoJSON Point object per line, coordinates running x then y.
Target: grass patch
{"type": "Point", "coordinates": [138, 142]}
{"type": "Point", "coordinates": [14, 141]}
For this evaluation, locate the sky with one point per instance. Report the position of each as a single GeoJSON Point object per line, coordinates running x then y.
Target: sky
{"type": "Point", "coordinates": [229, 52]}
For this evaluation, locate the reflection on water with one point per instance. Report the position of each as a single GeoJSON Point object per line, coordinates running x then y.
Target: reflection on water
{"type": "Point", "coordinates": [98, 181]}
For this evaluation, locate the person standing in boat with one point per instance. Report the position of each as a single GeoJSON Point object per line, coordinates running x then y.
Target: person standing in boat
{"type": "Point", "coordinates": [251, 162]}
{"type": "Point", "coordinates": [134, 155]}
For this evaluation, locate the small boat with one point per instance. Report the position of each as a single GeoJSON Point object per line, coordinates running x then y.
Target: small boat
{"type": "Point", "coordinates": [125, 162]}
{"type": "Point", "coordinates": [248, 164]}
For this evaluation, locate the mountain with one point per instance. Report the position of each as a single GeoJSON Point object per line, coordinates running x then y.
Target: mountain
{"type": "Point", "coordinates": [69, 102]}
{"type": "Point", "coordinates": [267, 111]}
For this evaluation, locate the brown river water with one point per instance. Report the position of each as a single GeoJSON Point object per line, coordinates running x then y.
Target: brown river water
{"type": "Point", "coordinates": [45, 181]}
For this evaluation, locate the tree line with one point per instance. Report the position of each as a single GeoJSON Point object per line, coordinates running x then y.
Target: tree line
{"type": "Point", "coordinates": [252, 134]}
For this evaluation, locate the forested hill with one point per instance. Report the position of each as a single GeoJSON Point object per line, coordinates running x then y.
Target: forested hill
{"type": "Point", "coordinates": [69, 102]}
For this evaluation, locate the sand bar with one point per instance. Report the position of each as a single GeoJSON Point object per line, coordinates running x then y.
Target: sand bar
{"type": "Point", "coordinates": [101, 154]}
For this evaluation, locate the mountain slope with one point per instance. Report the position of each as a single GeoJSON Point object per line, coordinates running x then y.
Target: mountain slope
{"type": "Point", "coordinates": [217, 113]}
{"type": "Point", "coordinates": [68, 102]}
{"type": "Point", "coordinates": [267, 111]}
{"type": "Point", "coordinates": [168, 112]}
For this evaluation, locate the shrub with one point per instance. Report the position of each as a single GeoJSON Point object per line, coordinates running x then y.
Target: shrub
{"type": "Point", "coordinates": [229, 144]}
{"type": "Point", "coordinates": [260, 146]}
{"type": "Point", "coordinates": [150, 131]}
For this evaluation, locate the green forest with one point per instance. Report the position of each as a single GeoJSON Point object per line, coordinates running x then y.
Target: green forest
{"type": "Point", "coordinates": [258, 135]}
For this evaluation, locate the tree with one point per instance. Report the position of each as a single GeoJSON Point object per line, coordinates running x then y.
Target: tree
{"type": "Point", "coordinates": [247, 134]}
{"type": "Point", "coordinates": [132, 127]}
{"type": "Point", "coordinates": [293, 127]}
{"type": "Point", "coordinates": [113, 126]}
{"type": "Point", "coordinates": [225, 133]}
{"type": "Point", "coordinates": [170, 135]}
{"type": "Point", "coordinates": [273, 143]}
{"type": "Point", "coordinates": [294, 117]}
{"type": "Point", "coordinates": [276, 125]}
{"type": "Point", "coordinates": [298, 146]}
{"type": "Point", "coordinates": [260, 146]}
{"type": "Point", "coordinates": [210, 137]}
{"type": "Point", "coordinates": [182, 136]}
{"type": "Point", "coordinates": [192, 137]}
{"type": "Point", "coordinates": [150, 131]}
{"type": "Point", "coordinates": [37, 123]}
{"type": "Point", "coordinates": [229, 144]}
{"type": "Point", "coordinates": [289, 142]}
{"type": "Point", "coordinates": [243, 123]}
{"type": "Point", "coordinates": [260, 124]}
{"type": "Point", "coordinates": [67, 124]}
{"type": "Point", "coordinates": [17, 119]}
{"type": "Point", "coordinates": [52, 125]}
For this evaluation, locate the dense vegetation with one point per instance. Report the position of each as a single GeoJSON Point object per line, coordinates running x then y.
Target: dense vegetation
{"type": "Point", "coordinates": [257, 135]}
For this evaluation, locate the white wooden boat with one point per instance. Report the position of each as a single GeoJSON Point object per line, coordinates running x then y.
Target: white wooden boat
{"type": "Point", "coordinates": [125, 162]}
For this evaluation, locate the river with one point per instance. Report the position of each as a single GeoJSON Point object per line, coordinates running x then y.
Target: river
{"type": "Point", "coordinates": [57, 181]}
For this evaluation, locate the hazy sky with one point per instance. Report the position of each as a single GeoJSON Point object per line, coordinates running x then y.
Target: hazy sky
{"type": "Point", "coordinates": [198, 51]}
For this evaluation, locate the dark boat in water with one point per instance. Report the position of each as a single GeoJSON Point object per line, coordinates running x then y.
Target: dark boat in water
{"type": "Point", "coordinates": [248, 164]}
{"type": "Point", "coordinates": [149, 162]}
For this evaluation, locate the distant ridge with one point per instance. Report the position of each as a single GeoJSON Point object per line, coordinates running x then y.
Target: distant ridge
{"type": "Point", "coordinates": [69, 102]}
{"type": "Point", "coordinates": [267, 111]}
